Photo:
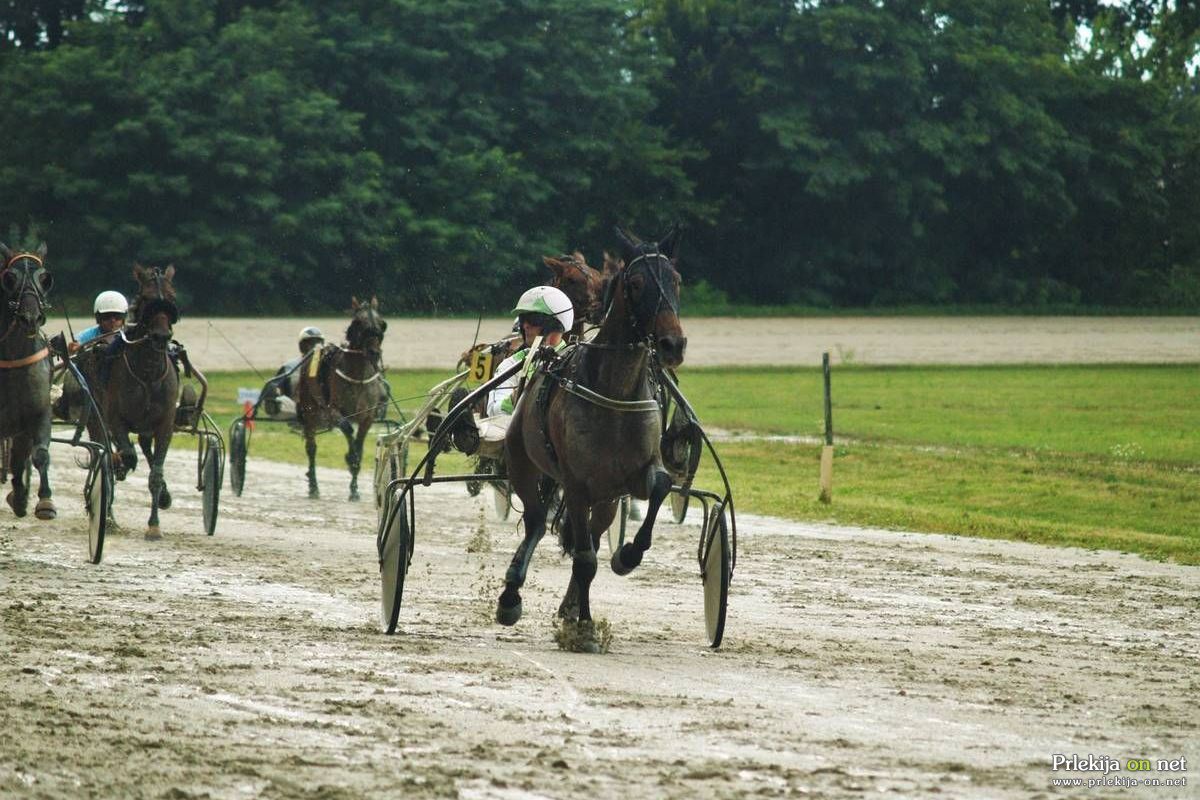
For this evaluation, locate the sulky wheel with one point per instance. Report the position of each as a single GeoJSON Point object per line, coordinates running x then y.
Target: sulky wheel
{"type": "Point", "coordinates": [210, 472]}
{"type": "Point", "coordinates": [679, 506]}
{"type": "Point", "coordinates": [616, 531]}
{"type": "Point", "coordinates": [395, 554]}
{"type": "Point", "coordinates": [681, 449]}
{"type": "Point", "coordinates": [99, 496]}
{"type": "Point", "coordinates": [714, 570]}
{"type": "Point", "coordinates": [237, 456]}
{"type": "Point", "coordinates": [501, 500]}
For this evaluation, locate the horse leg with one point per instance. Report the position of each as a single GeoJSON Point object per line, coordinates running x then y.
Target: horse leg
{"type": "Point", "coordinates": [583, 569]}
{"type": "Point", "coordinates": [41, 461]}
{"type": "Point", "coordinates": [162, 441]}
{"type": "Point", "coordinates": [525, 484]}
{"type": "Point", "coordinates": [164, 497]}
{"type": "Point", "coordinates": [310, 447]}
{"type": "Point", "coordinates": [126, 460]}
{"type": "Point", "coordinates": [18, 497]}
{"type": "Point", "coordinates": [354, 456]}
{"type": "Point", "coordinates": [602, 515]}
{"type": "Point", "coordinates": [658, 486]}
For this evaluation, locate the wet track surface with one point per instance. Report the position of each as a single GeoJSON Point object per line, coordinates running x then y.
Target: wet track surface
{"type": "Point", "coordinates": [249, 664]}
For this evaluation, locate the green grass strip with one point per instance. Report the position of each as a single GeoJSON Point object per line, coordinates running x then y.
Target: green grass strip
{"type": "Point", "coordinates": [1094, 456]}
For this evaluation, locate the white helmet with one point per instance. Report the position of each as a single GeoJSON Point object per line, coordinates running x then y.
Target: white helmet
{"type": "Point", "coordinates": [310, 332]}
{"type": "Point", "coordinates": [549, 301]}
{"type": "Point", "coordinates": [110, 302]}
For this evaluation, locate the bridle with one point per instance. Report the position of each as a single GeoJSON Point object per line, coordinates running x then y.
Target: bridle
{"type": "Point", "coordinates": [365, 326]}
{"type": "Point", "coordinates": [654, 265]}
{"type": "Point", "coordinates": [18, 282]}
{"type": "Point", "coordinates": [149, 306]}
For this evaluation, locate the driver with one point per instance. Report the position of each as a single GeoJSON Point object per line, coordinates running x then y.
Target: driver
{"type": "Point", "coordinates": [109, 309]}
{"type": "Point", "coordinates": [541, 311]}
{"type": "Point", "coordinates": [285, 382]}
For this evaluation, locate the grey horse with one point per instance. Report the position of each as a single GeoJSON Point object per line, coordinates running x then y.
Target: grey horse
{"type": "Point", "coordinates": [25, 374]}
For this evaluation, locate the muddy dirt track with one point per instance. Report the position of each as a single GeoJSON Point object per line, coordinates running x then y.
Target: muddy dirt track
{"type": "Point", "coordinates": [225, 344]}
{"type": "Point", "coordinates": [856, 663]}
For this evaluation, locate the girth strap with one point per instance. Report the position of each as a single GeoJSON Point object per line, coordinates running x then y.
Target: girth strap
{"type": "Point", "coordinates": [607, 402]}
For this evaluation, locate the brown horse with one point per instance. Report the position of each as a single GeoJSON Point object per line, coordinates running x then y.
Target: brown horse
{"type": "Point", "coordinates": [583, 286]}
{"type": "Point", "coordinates": [344, 384]}
{"type": "Point", "coordinates": [591, 424]}
{"type": "Point", "coordinates": [142, 387]}
{"type": "Point", "coordinates": [25, 374]}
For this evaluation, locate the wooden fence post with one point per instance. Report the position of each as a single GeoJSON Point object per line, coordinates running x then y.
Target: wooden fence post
{"type": "Point", "coordinates": [827, 450]}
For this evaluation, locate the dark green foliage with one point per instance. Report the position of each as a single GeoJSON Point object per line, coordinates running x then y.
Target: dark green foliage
{"type": "Point", "coordinates": [286, 154]}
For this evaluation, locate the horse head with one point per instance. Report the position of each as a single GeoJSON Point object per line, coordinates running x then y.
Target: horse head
{"type": "Point", "coordinates": [649, 286]}
{"type": "Point", "coordinates": [583, 285]}
{"type": "Point", "coordinates": [156, 311]}
{"type": "Point", "coordinates": [24, 284]}
{"type": "Point", "coordinates": [366, 328]}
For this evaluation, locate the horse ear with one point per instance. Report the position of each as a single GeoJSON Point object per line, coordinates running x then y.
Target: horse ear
{"type": "Point", "coordinates": [670, 242]}
{"type": "Point", "coordinates": [629, 243]}
{"type": "Point", "coordinates": [354, 302]}
{"type": "Point", "coordinates": [374, 302]}
{"type": "Point", "coordinates": [41, 250]}
{"type": "Point", "coordinates": [555, 265]}
{"type": "Point", "coordinates": [169, 272]}
{"type": "Point", "coordinates": [4, 251]}
{"type": "Point", "coordinates": [138, 271]}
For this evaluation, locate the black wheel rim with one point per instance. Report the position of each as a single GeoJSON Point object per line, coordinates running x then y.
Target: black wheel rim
{"type": "Point", "coordinates": [715, 572]}
{"type": "Point", "coordinates": [212, 491]}
{"type": "Point", "coordinates": [237, 458]}
{"type": "Point", "coordinates": [97, 508]}
{"type": "Point", "coordinates": [395, 554]}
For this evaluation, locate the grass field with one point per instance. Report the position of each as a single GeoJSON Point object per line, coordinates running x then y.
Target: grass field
{"type": "Point", "coordinates": [1098, 456]}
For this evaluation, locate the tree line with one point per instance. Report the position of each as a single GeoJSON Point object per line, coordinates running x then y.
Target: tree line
{"type": "Point", "coordinates": [285, 154]}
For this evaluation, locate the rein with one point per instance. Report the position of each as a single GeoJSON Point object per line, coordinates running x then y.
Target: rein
{"type": "Point", "coordinates": [25, 362]}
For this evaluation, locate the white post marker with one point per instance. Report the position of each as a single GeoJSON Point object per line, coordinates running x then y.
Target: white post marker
{"type": "Point", "coordinates": [827, 450]}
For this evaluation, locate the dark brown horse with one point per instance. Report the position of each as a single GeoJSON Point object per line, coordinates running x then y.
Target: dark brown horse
{"type": "Point", "coordinates": [344, 383]}
{"type": "Point", "coordinates": [596, 432]}
{"type": "Point", "coordinates": [142, 386]}
{"type": "Point", "coordinates": [25, 374]}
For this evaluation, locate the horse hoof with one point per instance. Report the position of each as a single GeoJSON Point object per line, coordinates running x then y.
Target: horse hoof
{"type": "Point", "coordinates": [626, 559]}
{"type": "Point", "coordinates": [45, 509]}
{"type": "Point", "coordinates": [579, 636]}
{"type": "Point", "coordinates": [314, 494]}
{"type": "Point", "coordinates": [354, 497]}
{"type": "Point", "coordinates": [164, 499]}
{"type": "Point", "coordinates": [19, 509]}
{"type": "Point", "coordinates": [153, 533]}
{"type": "Point", "coordinates": [508, 614]}
{"type": "Point", "coordinates": [568, 613]}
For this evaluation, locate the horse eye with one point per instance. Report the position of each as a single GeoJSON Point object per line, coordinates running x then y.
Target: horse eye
{"type": "Point", "coordinates": [45, 280]}
{"type": "Point", "coordinates": [383, 327]}
{"type": "Point", "coordinates": [8, 281]}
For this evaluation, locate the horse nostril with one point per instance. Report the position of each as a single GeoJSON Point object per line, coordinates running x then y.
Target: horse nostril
{"type": "Point", "coordinates": [672, 346]}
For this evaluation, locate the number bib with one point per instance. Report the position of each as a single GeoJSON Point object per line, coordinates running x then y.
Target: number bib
{"type": "Point", "coordinates": [481, 366]}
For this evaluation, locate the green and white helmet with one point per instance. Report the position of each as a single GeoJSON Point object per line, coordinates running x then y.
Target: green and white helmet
{"type": "Point", "coordinates": [548, 301]}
